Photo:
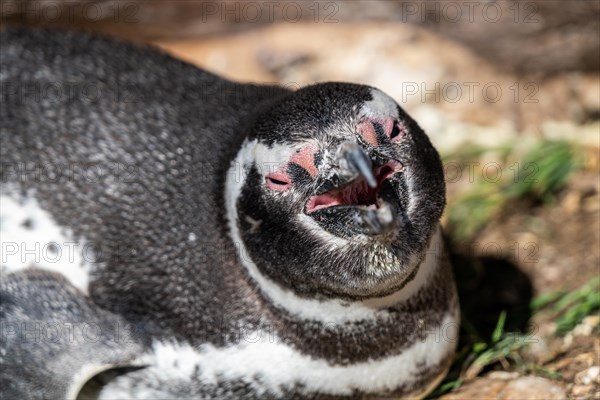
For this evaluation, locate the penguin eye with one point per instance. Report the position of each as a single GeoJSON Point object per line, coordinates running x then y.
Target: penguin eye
{"type": "Point", "coordinates": [278, 182]}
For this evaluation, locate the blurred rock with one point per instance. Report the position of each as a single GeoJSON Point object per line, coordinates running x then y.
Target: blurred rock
{"type": "Point", "coordinates": [571, 202]}
{"type": "Point", "coordinates": [589, 376]}
{"type": "Point", "coordinates": [503, 375]}
{"type": "Point", "coordinates": [538, 351]}
{"type": "Point", "coordinates": [591, 204]}
{"type": "Point", "coordinates": [522, 388]}
{"type": "Point", "coordinates": [526, 37]}
{"type": "Point", "coordinates": [482, 388]}
{"type": "Point", "coordinates": [587, 326]}
{"type": "Point", "coordinates": [533, 388]}
{"type": "Point", "coordinates": [582, 391]}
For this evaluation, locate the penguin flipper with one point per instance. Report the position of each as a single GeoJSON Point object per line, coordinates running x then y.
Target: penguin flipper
{"type": "Point", "coordinates": [54, 338]}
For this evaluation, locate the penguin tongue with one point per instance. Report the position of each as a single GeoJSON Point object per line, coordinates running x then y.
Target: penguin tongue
{"type": "Point", "coordinates": [358, 193]}
{"type": "Point", "coordinates": [323, 201]}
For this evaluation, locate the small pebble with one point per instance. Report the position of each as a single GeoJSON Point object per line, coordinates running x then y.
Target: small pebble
{"type": "Point", "coordinates": [588, 376]}
{"type": "Point", "coordinates": [503, 375]}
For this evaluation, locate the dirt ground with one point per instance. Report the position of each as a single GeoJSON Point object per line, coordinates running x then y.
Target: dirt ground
{"type": "Point", "coordinates": [546, 249]}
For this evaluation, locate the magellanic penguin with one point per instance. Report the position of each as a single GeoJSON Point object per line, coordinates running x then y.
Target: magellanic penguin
{"type": "Point", "coordinates": [167, 233]}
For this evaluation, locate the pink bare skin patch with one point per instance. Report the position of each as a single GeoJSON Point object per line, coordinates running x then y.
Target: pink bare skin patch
{"type": "Point", "coordinates": [305, 157]}
{"type": "Point", "coordinates": [391, 128]}
{"type": "Point", "coordinates": [367, 131]}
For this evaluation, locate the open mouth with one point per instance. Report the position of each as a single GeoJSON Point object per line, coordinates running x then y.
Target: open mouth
{"type": "Point", "coordinates": [356, 193]}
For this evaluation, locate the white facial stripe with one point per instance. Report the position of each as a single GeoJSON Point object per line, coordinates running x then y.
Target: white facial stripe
{"type": "Point", "coordinates": [326, 311]}
{"type": "Point", "coordinates": [269, 158]}
{"type": "Point", "coordinates": [279, 365]}
{"type": "Point", "coordinates": [30, 237]}
{"type": "Point", "coordinates": [381, 106]}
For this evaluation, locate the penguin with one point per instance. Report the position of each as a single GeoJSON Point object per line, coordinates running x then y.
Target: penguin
{"type": "Point", "coordinates": [167, 233]}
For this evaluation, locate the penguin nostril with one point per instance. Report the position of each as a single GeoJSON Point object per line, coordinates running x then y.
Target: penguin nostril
{"type": "Point", "coordinates": [398, 132]}
{"type": "Point", "coordinates": [395, 131]}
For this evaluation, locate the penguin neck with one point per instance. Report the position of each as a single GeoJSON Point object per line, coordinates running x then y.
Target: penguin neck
{"type": "Point", "coordinates": [326, 310]}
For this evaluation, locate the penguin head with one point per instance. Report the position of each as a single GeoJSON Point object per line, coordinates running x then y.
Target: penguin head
{"type": "Point", "coordinates": [335, 192]}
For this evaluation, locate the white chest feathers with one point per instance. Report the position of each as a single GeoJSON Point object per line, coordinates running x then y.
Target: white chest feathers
{"type": "Point", "coordinates": [30, 237]}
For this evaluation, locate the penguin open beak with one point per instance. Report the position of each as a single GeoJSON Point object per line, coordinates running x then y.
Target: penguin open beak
{"type": "Point", "coordinates": [351, 162]}
{"type": "Point", "coordinates": [354, 159]}
{"type": "Point", "coordinates": [348, 197]}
